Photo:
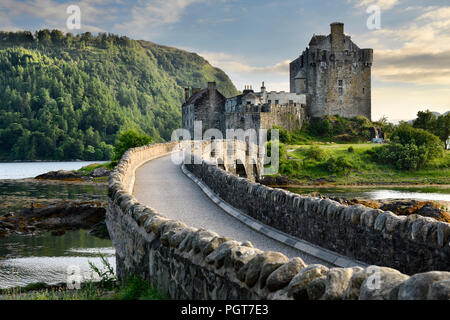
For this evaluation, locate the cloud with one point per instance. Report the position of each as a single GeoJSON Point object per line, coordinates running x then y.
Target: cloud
{"type": "Point", "coordinates": [146, 15]}
{"type": "Point", "coordinates": [404, 103]}
{"type": "Point", "coordinates": [421, 51]}
{"type": "Point", "coordinates": [383, 4]}
{"type": "Point", "coordinates": [53, 14]}
{"type": "Point", "coordinates": [233, 63]}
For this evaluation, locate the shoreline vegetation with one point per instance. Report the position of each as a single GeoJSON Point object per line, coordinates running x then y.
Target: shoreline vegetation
{"type": "Point", "coordinates": [103, 285]}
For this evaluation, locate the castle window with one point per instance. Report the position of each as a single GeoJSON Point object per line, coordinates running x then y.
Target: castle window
{"type": "Point", "coordinates": [341, 91]}
{"type": "Point", "coordinates": [291, 101]}
{"type": "Point", "coordinates": [340, 83]}
{"type": "Point", "coordinates": [269, 101]}
{"type": "Point", "coordinates": [364, 90]}
{"type": "Point", "coordinates": [276, 101]}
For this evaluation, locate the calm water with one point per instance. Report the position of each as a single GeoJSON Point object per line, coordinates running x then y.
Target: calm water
{"type": "Point", "coordinates": [22, 170]}
{"type": "Point", "coordinates": [422, 193]}
{"type": "Point", "coordinates": [46, 258]}
{"type": "Point", "coordinates": [17, 195]}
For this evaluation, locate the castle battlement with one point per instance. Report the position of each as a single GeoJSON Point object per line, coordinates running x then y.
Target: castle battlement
{"type": "Point", "coordinates": [335, 73]}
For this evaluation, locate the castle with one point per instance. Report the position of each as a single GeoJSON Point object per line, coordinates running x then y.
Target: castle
{"type": "Point", "coordinates": [331, 77]}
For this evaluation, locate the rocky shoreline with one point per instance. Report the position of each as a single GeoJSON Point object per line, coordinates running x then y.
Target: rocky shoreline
{"type": "Point", "coordinates": [57, 218]}
{"type": "Point", "coordinates": [401, 207]}
{"type": "Point", "coordinates": [64, 175]}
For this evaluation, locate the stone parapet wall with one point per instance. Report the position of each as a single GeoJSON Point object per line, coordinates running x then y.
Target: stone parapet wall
{"type": "Point", "coordinates": [410, 244]}
{"type": "Point", "coordinates": [190, 263]}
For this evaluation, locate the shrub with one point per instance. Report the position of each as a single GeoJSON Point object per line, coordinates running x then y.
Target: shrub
{"type": "Point", "coordinates": [284, 135]}
{"type": "Point", "coordinates": [129, 139]}
{"type": "Point", "coordinates": [350, 149]}
{"type": "Point", "coordinates": [338, 165]}
{"type": "Point", "coordinates": [410, 148]}
{"type": "Point", "coordinates": [289, 167]}
{"type": "Point", "coordinates": [321, 127]}
{"type": "Point", "coordinates": [316, 153]}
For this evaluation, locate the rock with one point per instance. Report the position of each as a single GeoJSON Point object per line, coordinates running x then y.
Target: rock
{"type": "Point", "coordinates": [260, 267]}
{"type": "Point", "coordinates": [428, 210]}
{"type": "Point", "coordinates": [58, 232]}
{"type": "Point", "coordinates": [100, 230]}
{"type": "Point", "coordinates": [239, 257]}
{"type": "Point", "coordinates": [417, 287]}
{"type": "Point", "coordinates": [273, 261]}
{"type": "Point", "coordinates": [316, 288]}
{"type": "Point", "coordinates": [354, 286]}
{"type": "Point", "coordinates": [55, 217]}
{"type": "Point", "coordinates": [439, 290]}
{"type": "Point", "coordinates": [283, 275]}
{"type": "Point", "coordinates": [338, 279]}
{"type": "Point", "coordinates": [60, 175]}
{"type": "Point", "coordinates": [219, 255]}
{"type": "Point", "coordinates": [100, 172]}
{"type": "Point", "coordinates": [380, 282]}
{"type": "Point", "coordinates": [297, 288]}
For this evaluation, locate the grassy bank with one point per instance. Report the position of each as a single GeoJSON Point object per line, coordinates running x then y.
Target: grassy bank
{"type": "Point", "coordinates": [347, 164]}
{"type": "Point", "coordinates": [134, 289]}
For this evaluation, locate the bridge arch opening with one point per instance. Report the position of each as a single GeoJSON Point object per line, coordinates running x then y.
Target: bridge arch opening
{"type": "Point", "coordinates": [240, 169]}
{"type": "Point", "coordinates": [220, 163]}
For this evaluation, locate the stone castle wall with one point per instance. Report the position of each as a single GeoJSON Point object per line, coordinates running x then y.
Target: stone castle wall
{"type": "Point", "coordinates": [190, 263]}
{"type": "Point", "coordinates": [289, 117]}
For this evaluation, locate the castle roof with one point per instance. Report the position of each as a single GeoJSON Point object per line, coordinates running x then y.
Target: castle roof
{"type": "Point", "coordinates": [196, 96]}
{"type": "Point", "coordinates": [317, 39]}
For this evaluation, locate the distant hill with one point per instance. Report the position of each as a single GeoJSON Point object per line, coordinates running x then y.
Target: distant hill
{"type": "Point", "coordinates": [66, 97]}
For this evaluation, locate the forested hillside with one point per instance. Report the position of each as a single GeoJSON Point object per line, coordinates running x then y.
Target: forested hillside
{"type": "Point", "coordinates": [66, 97]}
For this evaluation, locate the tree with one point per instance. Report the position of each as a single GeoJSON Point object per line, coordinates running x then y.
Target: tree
{"type": "Point", "coordinates": [410, 148]}
{"type": "Point", "coordinates": [425, 120]}
{"type": "Point", "coordinates": [129, 139]}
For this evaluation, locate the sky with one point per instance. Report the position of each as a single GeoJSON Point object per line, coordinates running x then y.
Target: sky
{"type": "Point", "coordinates": [254, 40]}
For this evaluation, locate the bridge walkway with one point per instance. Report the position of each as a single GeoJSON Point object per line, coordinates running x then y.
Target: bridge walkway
{"type": "Point", "coordinates": [162, 185]}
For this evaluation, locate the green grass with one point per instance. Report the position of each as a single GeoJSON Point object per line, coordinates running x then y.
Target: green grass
{"type": "Point", "coordinates": [108, 288]}
{"type": "Point", "coordinates": [134, 289]}
{"type": "Point", "coordinates": [362, 169]}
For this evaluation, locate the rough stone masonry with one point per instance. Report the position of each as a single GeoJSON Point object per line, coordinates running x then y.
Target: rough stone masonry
{"type": "Point", "coordinates": [190, 263]}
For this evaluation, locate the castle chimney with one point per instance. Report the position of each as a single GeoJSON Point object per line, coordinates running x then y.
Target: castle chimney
{"type": "Point", "coordinates": [211, 87]}
{"type": "Point", "coordinates": [263, 88]}
{"type": "Point", "coordinates": [186, 94]}
{"type": "Point", "coordinates": [337, 36]}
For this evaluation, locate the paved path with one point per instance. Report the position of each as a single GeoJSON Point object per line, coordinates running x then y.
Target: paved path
{"type": "Point", "coordinates": [162, 185]}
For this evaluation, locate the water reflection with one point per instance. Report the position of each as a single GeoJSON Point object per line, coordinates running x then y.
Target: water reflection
{"type": "Point", "coordinates": [422, 193]}
{"type": "Point", "coordinates": [45, 258]}
{"type": "Point", "coordinates": [15, 196]}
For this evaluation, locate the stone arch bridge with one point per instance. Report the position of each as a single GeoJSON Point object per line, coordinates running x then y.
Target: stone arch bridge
{"type": "Point", "coordinates": [196, 231]}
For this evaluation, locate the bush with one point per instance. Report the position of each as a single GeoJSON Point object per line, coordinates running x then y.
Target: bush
{"type": "Point", "coordinates": [316, 153]}
{"type": "Point", "coordinates": [136, 288]}
{"type": "Point", "coordinates": [283, 134]}
{"type": "Point", "coordinates": [129, 139]}
{"type": "Point", "coordinates": [321, 127]}
{"type": "Point", "coordinates": [289, 167]}
{"type": "Point", "coordinates": [410, 148]}
{"type": "Point", "coordinates": [338, 165]}
{"type": "Point", "coordinates": [350, 149]}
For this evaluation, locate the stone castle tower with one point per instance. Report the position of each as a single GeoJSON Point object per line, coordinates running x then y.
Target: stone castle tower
{"type": "Point", "coordinates": [336, 74]}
